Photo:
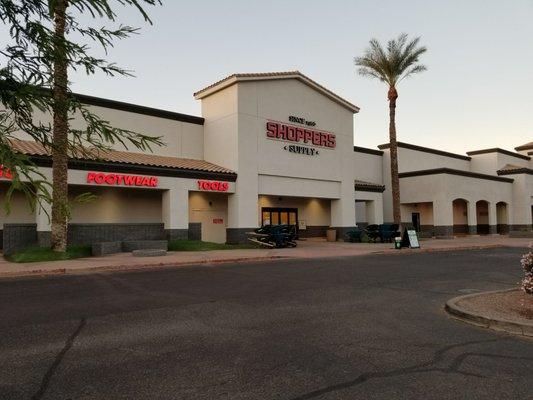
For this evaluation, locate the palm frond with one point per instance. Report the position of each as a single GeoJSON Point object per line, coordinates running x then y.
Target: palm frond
{"type": "Point", "coordinates": [394, 63]}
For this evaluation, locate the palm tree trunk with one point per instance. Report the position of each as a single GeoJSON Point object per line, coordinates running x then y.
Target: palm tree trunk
{"type": "Point", "coordinates": [60, 133]}
{"type": "Point", "coordinates": [395, 180]}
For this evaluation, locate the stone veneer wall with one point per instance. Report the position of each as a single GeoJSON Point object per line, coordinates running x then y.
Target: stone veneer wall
{"type": "Point", "coordinates": [237, 235]}
{"type": "Point", "coordinates": [195, 231]}
{"type": "Point", "coordinates": [521, 227]}
{"type": "Point", "coordinates": [444, 231]}
{"type": "Point", "coordinates": [16, 237]}
{"type": "Point", "coordinates": [94, 233]}
{"type": "Point", "coordinates": [461, 229]}
{"type": "Point", "coordinates": [313, 231]}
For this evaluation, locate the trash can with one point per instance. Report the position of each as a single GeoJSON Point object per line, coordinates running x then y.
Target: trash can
{"type": "Point", "coordinates": [331, 235]}
{"type": "Point", "coordinates": [398, 243]}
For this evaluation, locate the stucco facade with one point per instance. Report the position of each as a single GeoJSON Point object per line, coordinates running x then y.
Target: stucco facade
{"type": "Point", "coordinates": [274, 148]}
{"type": "Point", "coordinates": [484, 192]}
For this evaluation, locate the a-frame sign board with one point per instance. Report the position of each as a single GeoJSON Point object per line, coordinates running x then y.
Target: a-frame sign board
{"type": "Point", "coordinates": [410, 239]}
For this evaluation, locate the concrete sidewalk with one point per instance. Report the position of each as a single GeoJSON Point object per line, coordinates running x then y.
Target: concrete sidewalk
{"type": "Point", "coordinates": [316, 248]}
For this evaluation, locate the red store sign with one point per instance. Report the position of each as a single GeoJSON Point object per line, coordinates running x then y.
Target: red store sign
{"type": "Point", "coordinates": [213, 186]}
{"type": "Point", "coordinates": [5, 173]}
{"type": "Point", "coordinates": [101, 178]}
{"type": "Point", "coordinates": [297, 134]}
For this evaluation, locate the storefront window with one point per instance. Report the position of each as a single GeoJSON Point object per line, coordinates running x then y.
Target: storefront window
{"type": "Point", "coordinates": [292, 218]}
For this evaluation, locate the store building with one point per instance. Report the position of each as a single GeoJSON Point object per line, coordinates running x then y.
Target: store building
{"type": "Point", "coordinates": [270, 148]}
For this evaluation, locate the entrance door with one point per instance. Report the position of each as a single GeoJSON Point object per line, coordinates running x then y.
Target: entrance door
{"type": "Point", "coordinates": [415, 217]}
{"type": "Point", "coordinates": [279, 216]}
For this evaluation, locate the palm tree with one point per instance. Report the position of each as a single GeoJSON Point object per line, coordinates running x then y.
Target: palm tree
{"type": "Point", "coordinates": [391, 65]}
{"type": "Point", "coordinates": [60, 130]}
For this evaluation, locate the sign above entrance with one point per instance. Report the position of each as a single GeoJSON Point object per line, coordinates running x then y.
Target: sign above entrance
{"type": "Point", "coordinates": [298, 134]}
{"type": "Point", "coordinates": [300, 120]}
{"type": "Point", "coordinates": [101, 178]}
{"type": "Point", "coordinates": [213, 186]}
{"type": "Point", "coordinates": [308, 151]}
{"type": "Point", "coordinates": [5, 173]}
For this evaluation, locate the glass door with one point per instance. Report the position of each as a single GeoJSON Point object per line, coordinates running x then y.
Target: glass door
{"type": "Point", "coordinates": [279, 216]}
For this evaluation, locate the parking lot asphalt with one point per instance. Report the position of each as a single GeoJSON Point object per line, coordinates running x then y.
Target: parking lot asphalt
{"type": "Point", "coordinates": [367, 327]}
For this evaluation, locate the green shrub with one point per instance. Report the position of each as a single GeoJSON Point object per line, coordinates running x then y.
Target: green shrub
{"type": "Point", "coordinates": [365, 238]}
{"type": "Point", "coordinates": [35, 254]}
{"type": "Point", "coordinates": [197, 245]}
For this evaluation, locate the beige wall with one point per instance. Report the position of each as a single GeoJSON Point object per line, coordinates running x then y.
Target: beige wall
{"type": "Point", "coordinates": [20, 212]}
{"type": "Point", "coordinates": [425, 210]}
{"type": "Point", "coordinates": [373, 206]}
{"type": "Point", "coordinates": [502, 213]}
{"type": "Point", "coordinates": [482, 212]}
{"type": "Point", "coordinates": [116, 205]}
{"type": "Point", "coordinates": [368, 167]}
{"type": "Point", "coordinates": [315, 212]}
{"type": "Point", "coordinates": [490, 163]}
{"type": "Point", "coordinates": [414, 160]}
{"type": "Point", "coordinates": [361, 212]}
{"type": "Point", "coordinates": [181, 139]}
{"type": "Point", "coordinates": [460, 212]}
{"type": "Point", "coordinates": [235, 137]}
{"type": "Point", "coordinates": [442, 189]}
{"type": "Point", "coordinates": [208, 208]}
{"type": "Point", "coordinates": [221, 145]}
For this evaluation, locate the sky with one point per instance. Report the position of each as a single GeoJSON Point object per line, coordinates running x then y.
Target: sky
{"type": "Point", "coordinates": [477, 92]}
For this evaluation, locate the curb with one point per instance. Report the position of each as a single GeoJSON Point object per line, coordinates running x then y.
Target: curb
{"type": "Point", "coordinates": [125, 267]}
{"type": "Point", "coordinates": [442, 249]}
{"type": "Point", "coordinates": [485, 321]}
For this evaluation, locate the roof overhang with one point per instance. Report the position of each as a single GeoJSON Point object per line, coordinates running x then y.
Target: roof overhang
{"type": "Point", "coordinates": [498, 150]}
{"type": "Point", "coordinates": [235, 78]}
{"type": "Point", "coordinates": [450, 171]}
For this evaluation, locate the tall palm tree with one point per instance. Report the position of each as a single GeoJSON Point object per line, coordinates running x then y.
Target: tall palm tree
{"type": "Point", "coordinates": [391, 65]}
{"type": "Point", "coordinates": [60, 129]}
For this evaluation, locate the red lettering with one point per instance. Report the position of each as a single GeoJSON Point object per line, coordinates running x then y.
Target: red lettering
{"type": "Point", "coordinates": [282, 132]}
{"type": "Point", "coordinates": [291, 134]}
{"type": "Point", "coordinates": [129, 180]}
{"type": "Point", "coordinates": [316, 138]}
{"type": "Point", "coordinates": [324, 140]}
{"type": "Point", "coordinates": [308, 136]}
{"type": "Point", "coordinates": [213, 186]}
{"type": "Point", "coordinates": [298, 134]}
{"type": "Point", "coordinates": [7, 173]}
{"type": "Point", "coordinates": [272, 129]}
{"type": "Point", "coordinates": [99, 178]}
{"type": "Point", "coordinates": [111, 179]}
